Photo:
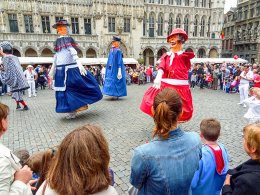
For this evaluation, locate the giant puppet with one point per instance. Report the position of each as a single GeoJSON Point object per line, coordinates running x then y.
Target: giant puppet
{"type": "Point", "coordinates": [12, 74]}
{"type": "Point", "coordinates": [75, 87]}
{"type": "Point", "coordinates": [173, 73]}
{"type": "Point", "coordinates": [115, 79]}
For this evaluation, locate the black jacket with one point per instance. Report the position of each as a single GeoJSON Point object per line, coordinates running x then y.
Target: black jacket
{"type": "Point", "coordinates": [245, 179]}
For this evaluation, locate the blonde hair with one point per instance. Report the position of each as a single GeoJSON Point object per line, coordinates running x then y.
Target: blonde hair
{"type": "Point", "coordinates": [256, 92]}
{"type": "Point", "coordinates": [252, 137]}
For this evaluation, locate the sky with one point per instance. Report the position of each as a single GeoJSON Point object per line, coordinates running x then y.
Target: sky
{"type": "Point", "coordinates": [229, 4]}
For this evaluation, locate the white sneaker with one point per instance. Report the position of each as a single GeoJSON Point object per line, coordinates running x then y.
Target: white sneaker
{"type": "Point", "coordinates": [244, 106]}
{"type": "Point", "coordinates": [71, 115]}
{"type": "Point", "coordinates": [35, 95]}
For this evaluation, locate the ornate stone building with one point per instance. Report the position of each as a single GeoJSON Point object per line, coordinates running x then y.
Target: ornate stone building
{"type": "Point", "coordinates": [247, 30]}
{"type": "Point", "coordinates": [142, 24]}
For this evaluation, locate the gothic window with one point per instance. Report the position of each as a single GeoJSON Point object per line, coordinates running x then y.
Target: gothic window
{"type": "Point", "coordinates": [187, 2]}
{"type": "Point", "coordinates": [196, 27]}
{"type": "Point", "coordinates": [160, 25]}
{"type": "Point", "coordinates": [203, 3]}
{"type": "Point", "coordinates": [178, 22]}
{"type": "Point", "coordinates": [151, 25]}
{"type": "Point", "coordinates": [28, 23]}
{"type": "Point", "coordinates": [202, 30]}
{"type": "Point", "coordinates": [13, 22]}
{"type": "Point", "coordinates": [160, 1]}
{"type": "Point", "coordinates": [151, 1]}
{"type": "Point", "coordinates": [58, 18]}
{"type": "Point", "coordinates": [126, 24]}
{"type": "Point", "coordinates": [87, 26]}
{"type": "Point", "coordinates": [111, 24]}
{"type": "Point", "coordinates": [144, 25]}
{"type": "Point", "coordinates": [170, 24]}
{"type": "Point", "coordinates": [170, 2]}
{"type": "Point", "coordinates": [186, 24]}
{"type": "Point", "coordinates": [196, 3]}
{"type": "Point", "coordinates": [208, 33]}
{"type": "Point", "coordinates": [213, 35]}
{"type": "Point", "coordinates": [75, 25]}
{"type": "Point", "coordinates": [46, 24]}
{"type": "Point", "coordinates": [178, 2]}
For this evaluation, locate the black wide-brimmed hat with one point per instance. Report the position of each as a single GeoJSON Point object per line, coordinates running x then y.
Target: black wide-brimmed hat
{"type": "Point", "coordinates": [115, 38]}
{"type": "Point", "coordinates": [61, 22]}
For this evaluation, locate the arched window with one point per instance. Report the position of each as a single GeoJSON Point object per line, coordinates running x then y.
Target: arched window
{"type": "Point", "coordinates": [196, 27]}
{"type": "Point", "coordinates": [170, 24]}
{"type": "Point", "coordinates": [202, 29]}
{"type": "Point", "coordinates": [160, 25]}
{"type": "Point", "coordinates": [208, 33]}
{"type": "Point", "coordinates": [186, 24]}
{"type": "Point", "coordinates": [151, 25]}
{"type": "Point", "coordinates": [144, 24]}
{"type": "Point", "coordinates": [178, 22]}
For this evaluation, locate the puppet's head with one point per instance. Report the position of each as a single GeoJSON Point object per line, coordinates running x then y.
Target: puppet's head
{"type": "Point", "coordinates": [7, 47]}
{"type": "Point", "coordinates": [116, 42]}
{"type": "Point", "coordinates": [62, 27]}
{"type": "Point", "coordinates": [176, 39]}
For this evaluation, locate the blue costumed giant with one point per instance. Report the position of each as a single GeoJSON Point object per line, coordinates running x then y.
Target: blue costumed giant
{"type": "Point", "coordinates": [75, 87]}
{"type": "Point", "coordinates": [115, 78]}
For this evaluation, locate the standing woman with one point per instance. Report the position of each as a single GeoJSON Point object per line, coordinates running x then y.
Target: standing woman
{"type": "Point", "coordinates": [80, 166]}
{"type": "Point", "coordinates": [167, 164]}
{"type": "Point", "coordinates": [13, 178]}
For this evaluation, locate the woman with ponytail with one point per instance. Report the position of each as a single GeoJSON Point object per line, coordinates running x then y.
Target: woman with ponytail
{"type": "Point", "coordinates": [166, 165]}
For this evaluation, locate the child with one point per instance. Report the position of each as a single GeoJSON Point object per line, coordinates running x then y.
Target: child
{"type": "Point", "coordinates": [244, 179]}
{"type": "Point", "coordinates": [213, 166]}
{"type": "Point", "coordinates": [193, 79]}
{"type": "Point", "coordinates": [253, 103]}
{"type": "Point", "coordinates": [23, 155]}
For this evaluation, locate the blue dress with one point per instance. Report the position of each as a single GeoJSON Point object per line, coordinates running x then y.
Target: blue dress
{"type": "Point", "coordinates": [73, 90]}
{"type": "Point", "coordinates": [114, 86]}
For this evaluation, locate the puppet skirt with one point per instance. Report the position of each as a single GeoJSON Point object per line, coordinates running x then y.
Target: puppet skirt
{"type": "Point", "coordinates": [182, 90]}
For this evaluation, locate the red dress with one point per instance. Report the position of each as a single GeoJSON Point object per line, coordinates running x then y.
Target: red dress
{"type": "Point", "coordinates": [179, 72]}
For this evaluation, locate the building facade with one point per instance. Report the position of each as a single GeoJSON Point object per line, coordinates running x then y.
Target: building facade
{"type": "Point", "coordinates": [247, 30]}
{"type": "Point", "coordinates": [143, 26]}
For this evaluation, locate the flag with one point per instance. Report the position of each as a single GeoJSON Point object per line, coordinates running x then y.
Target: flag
{"type": "Point", "coordinates": [222, 35]}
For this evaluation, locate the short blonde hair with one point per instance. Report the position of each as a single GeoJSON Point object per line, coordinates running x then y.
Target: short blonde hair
{"type": "Point", "coordinates": [252, 137]}
{"type": "Point", "coordinates": [256, 91]}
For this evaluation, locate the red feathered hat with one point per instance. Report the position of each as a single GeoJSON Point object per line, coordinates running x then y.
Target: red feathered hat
{"type": "Point", "coordinates": [179, 31]}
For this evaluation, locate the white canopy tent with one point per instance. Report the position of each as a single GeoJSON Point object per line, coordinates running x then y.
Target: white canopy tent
{"type": "Point", "coordinates": [85, 61]}
{"type": "Point", "coordinates": [215, 60]}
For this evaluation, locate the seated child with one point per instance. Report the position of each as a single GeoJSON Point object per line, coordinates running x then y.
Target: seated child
{"type": "Point", "coordinates": [23, 155]}
{"type": "Point", "coordinates": [253, 103]}
{"type": "Point", "coordinates": [245, 179]}
{"type": "Point", "coordinates": [213, 166]}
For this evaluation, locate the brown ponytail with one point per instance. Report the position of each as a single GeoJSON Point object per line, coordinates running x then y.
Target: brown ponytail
{"type": "Point", "coordinates": [167, 108]}
{"type": "Point", "coordinates": [4, 109]}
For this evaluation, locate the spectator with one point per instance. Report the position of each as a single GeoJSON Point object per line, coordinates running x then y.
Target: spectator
{"type": "Point", "coordinates": [176, 152]}
{"type": "Point", "coordinates": [80, 165]}
{"type": "Point", "coordinates": [244, 179]}
{"type": "Point", "coordinates": [245, 77]}
{"type": "Point", "coordinates": [253, 103]}
{"type": "Point", "coordinates": [193, 80]}
{"type": "Point", "coordinates": [215, 74]}
{"type": "Point", "coordinates": [213, 166]}
{"type": "Point", "coordinates": [149, 72]}
{"type": "Point", "coordinates": [41, 78]}
{"type": "Point", "coordinates": [13, 178]}
{"type": "Point", "coordinates": [31, 76]}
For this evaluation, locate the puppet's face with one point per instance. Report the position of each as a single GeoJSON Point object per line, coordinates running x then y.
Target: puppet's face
{"type": "Point", "coordinates": [115, 44]}
{"type": "Point", "coordinates": [175, 43]}
{"type": "Point", "coordinates": [62, 30]}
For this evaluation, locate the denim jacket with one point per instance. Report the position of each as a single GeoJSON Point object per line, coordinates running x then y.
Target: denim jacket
{"type": "Point", "coordinates": [166, 166]}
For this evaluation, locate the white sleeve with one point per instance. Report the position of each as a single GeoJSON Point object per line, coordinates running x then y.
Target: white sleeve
{"type": "Point", "coordinates": [74, 53]}
{"type": "Point", "coordinates": [17, 187]}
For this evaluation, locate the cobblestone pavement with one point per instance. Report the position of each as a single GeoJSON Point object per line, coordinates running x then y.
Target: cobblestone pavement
{"type": "Point", "coordinates": [124, 125]}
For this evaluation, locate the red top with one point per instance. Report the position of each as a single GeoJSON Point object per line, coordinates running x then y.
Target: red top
{"type": "Point", "coordinates": [219, 159]}
{"type": "Point", "coordinates": [257, 78]}
{"type": "Point", "coordinates": [180, 65]}
{"type": "Point", "coordinates": [149, 71]}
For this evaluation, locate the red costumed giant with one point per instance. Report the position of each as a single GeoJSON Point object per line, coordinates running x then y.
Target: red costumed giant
{"type": "Point", "coordinates": [173, 73]}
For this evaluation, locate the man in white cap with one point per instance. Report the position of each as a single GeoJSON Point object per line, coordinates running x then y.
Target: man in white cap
{"type": "Point", "coordinates": [31, 77]}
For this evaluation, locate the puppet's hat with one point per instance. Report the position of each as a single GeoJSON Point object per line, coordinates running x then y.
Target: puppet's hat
{"type": "Point", "coordinates": [60, 23]}
{"type": "Point", "coordinates": [178, 31]}
{"type": "Point", "coordinates": [115, 38]}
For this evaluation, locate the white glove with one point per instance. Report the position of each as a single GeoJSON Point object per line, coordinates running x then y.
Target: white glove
{"type": "Point", "coordinates": [119, 74]}
{"type": "Point", "coordinates": [82, 70]}
{"type": "Point", "coordinates": [158, 79]}
{"type": "Point", "coordinates": [52, 71]}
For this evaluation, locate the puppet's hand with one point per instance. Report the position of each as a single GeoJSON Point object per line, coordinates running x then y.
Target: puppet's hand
{"type": "Point", "coordinates": [158, 80]}
{"type": "Point", "coordinates": [82, 70]}
{"type": "Point", "coordinates": [119, 74]}
{"type": "Point", "coordinates": [51, 72]}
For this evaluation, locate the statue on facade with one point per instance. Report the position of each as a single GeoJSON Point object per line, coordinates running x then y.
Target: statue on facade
{"type": "Point", "coordinates": [115, 78]}
{"type": "Point", "coordinates": [75, 87]}
{"type": "Point", "coordinates": [173, 73]}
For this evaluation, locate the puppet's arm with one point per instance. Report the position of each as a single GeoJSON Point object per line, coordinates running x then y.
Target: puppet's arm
{"type": "Point", "coordinates": [82, 70]}
{"type": "Point", "coordinates": [158, 79]}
